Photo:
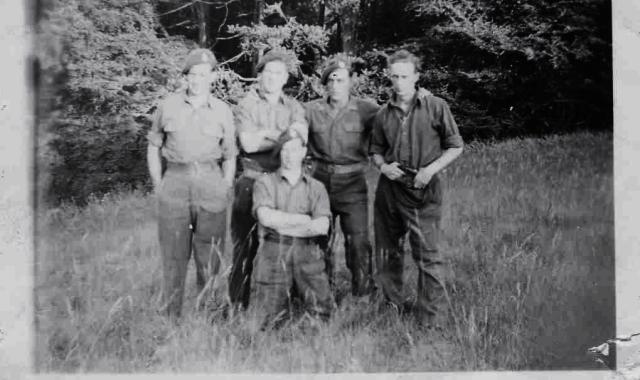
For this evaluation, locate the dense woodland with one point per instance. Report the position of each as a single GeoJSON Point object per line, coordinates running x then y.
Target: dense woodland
{"type": "Point", "coordinates": [507, 68]}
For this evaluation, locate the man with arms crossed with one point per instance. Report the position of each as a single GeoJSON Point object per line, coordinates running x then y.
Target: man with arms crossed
{"type": "Point", "coordinates": [339, 132]}
{"type": "Point", "coordinates": [262, 116]}
{"type": "Point", "coordinates": [413, 139]}
{"type": "Point", "coordinates": [292, 211]}
{"type": "Point", "coordinates": [195, 132]}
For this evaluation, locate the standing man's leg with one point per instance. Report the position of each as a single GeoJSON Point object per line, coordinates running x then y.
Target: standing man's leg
{"type": "Point", "coordinates": [352, 205]}
{"type": "Point", "coordinates": [244, 234]}
{"type": "Point", "coordinates": [209, 229]}
{"type": "Point", "coordinates": [424, 231]}
{"type": "Point", "coordinates": [175, 245]}
{"type": "Point", "coordinates": [389, 228]}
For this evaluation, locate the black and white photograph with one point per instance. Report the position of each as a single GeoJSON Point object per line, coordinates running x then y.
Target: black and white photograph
{"type": "Point", "coordinates": [323, 187]}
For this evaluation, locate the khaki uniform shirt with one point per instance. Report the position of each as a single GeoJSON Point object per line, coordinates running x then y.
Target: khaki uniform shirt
{"type": "Point", "coordinates": [308, 196]}
{"type": "Point", "coordinates": [188, 134]}
{"type": "Point", "coordinates": [340, 137]}
{"type": "Point", "coordinates": [255, 113]}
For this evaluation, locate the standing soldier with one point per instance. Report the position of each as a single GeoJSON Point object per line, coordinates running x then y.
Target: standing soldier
{"type": "Point", "coordinates": [262, 116]}
{"type": "Point", "coordinates": [413, 139]}
{"type": "Point", "coordinates": [293, 211]}
{"type": "Point", "coordinates": [195, 132]}
{"type": "Point", "coordinates": [339, 132]}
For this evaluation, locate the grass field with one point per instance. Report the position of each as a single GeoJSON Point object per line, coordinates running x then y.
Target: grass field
{"type": "Point", "coordinates": [527, 227]}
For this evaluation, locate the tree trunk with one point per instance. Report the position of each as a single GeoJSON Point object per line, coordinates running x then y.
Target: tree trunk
{"type": "Point", "coordinates": [323, 7]}
{"type": "Point", "coordinates": [202, 13]}
{"type": "Point", "coordinates": [348, 22]}
{"type": "Point", "coordinates": [258, 6]}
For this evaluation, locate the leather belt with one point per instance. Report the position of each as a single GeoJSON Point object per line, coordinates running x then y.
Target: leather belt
{"type": "Point", "coordinates": [341, 169]}
{"type": "Point", "coordinates": [289, 240]}
{"type": "Point", "coordinates": [193, 165]}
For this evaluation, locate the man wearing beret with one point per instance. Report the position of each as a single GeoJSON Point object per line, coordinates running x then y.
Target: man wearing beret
{"type": "Point", "coordinates": [413, 139]}
{"type": "Point", "coordinates": [339, 132]}
{"type": "Point", "coordinates": [195, 133]}
{"type": "Point", "coordinates": [292, 210]}
{"type": "Point", "coordinates": [262, 116]}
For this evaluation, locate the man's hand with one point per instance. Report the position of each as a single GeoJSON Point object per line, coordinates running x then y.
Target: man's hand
{"type": "Point", "coordinates": [392, 171]}
{"type": "Point", "coordinates": [423, 177]}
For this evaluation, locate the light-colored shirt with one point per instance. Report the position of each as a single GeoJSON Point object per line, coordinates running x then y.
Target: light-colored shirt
{"type": "Point", "coordinates": [308, 196]}
{"type": "Point", "coordinates": [255, 113]}
{"type": "Point", "coordinates": [186, 133]}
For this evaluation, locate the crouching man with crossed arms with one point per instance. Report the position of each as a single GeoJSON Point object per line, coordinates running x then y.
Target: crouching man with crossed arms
{"type": "Point", "coordinates": [292, 210]}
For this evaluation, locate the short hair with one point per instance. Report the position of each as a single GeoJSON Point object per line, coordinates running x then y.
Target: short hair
{"type": "Point", "coordinates": [403, 55]}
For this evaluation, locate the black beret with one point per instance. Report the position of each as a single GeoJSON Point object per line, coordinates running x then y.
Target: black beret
{"type": "Point", "coordinates": [334, 65]}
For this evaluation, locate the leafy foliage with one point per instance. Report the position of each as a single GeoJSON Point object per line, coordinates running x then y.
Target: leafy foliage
{"type": "Point", "coordinates": [105, 68]}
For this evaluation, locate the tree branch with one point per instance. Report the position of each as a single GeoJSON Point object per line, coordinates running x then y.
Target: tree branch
{"type": "Point", "coordinates": [178, 9]}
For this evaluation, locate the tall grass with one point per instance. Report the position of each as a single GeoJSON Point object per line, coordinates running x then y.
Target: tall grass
{"type": "Point", "coordinates": [527, 228]}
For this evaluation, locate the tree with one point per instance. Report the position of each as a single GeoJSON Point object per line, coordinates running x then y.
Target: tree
{"type": "Point", "coordinates": [103, 67]}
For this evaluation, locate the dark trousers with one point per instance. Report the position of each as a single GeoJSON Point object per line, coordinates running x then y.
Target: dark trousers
{"type": "Point", "coordinates": [392, 220]}
{"type": "Point", "coordinates": [184, 227]}
{"type": "Point", "coordinates": [244, 233]}
{"type": "Point", "coordinates": [349, 201]}
{"type": "Point", "coordinates": [281, 268]}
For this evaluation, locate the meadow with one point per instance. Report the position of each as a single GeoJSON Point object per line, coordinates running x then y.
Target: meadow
{"type": "Point", "coordinates": [528, 231]}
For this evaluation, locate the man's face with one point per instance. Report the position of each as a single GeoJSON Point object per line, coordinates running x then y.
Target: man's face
{"type": "Point", "coordinates": [339, 84]}
{"type": "Point", "coordinates": [403, 77]}
{"type": "Point", "coordinates": [273, 77]}
{"type": "Point", "coordinates": [199, 79]}
{"type": "Point", "coordinates": [292, 153]}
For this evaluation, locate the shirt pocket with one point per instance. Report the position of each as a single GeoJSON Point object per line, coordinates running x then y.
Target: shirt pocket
{"type": "Point", "coordinates": [352, 123]}
{"type": "Point", "coordinates": [212, 129]}
{"type": "Point", "coordinates": [170, 124]}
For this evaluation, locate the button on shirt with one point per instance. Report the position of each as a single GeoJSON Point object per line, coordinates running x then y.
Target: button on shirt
{"type": "Point", "coordinates": [308, 196]}
{"type": "Point", "coordinates": [193, 134]}
{"type": "Point", "coordinates": [255, 113]}
{"type": "Point", "coordinates": [418, 137]}
{"type": "Point", "coordinates": [340, 136]}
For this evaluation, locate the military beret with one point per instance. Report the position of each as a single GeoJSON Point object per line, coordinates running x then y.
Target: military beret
{"type": "Point", "coordinates": [334, 65]}
{"type": "Point", "coordinates": [273, 55]}
{"type": "Point", "coordinates": [198, 56]}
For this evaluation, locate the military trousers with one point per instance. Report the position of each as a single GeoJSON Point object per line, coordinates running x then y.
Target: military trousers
{"type": "Point", "coordinates": [244, 234]}
{"type": "Point", "coordinates": [284, 269]}
{"type": "Point", "coordinates": [190, 219]}
{"type": "Point", "coordinates": [348, 197]}
{"type": "Point", "coordinates": [393, 219]}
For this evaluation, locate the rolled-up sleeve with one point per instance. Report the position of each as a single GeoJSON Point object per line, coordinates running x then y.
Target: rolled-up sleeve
{"type": "Point", "coordinates": [379, 144]}
{"type": "Point", "coordinates": [319, 201]}
{"type": "Point", "coordinates": [228, 145]}
{"type": "Point", "coordinates": [263, 194]}
{"type": "Point", "coordinates": [155, 136]}
{"type": "Point", "coordinates": [448, 129]}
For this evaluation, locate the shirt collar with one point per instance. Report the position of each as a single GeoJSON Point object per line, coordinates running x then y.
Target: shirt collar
{"type": "Point", "coordinates": [210, 99]}
{"type": "Point", "coordinates": [281, 99]}
{"type": "Point", "coordinates": [304, 176]}
{"type": "Point", "coordinates": [417, 100]}
{"type": "Point", "coordinates": [352, 104]}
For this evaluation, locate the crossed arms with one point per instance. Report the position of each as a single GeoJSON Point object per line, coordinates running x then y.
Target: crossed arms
{"type": "Point", "coordinates": [291, 224]}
